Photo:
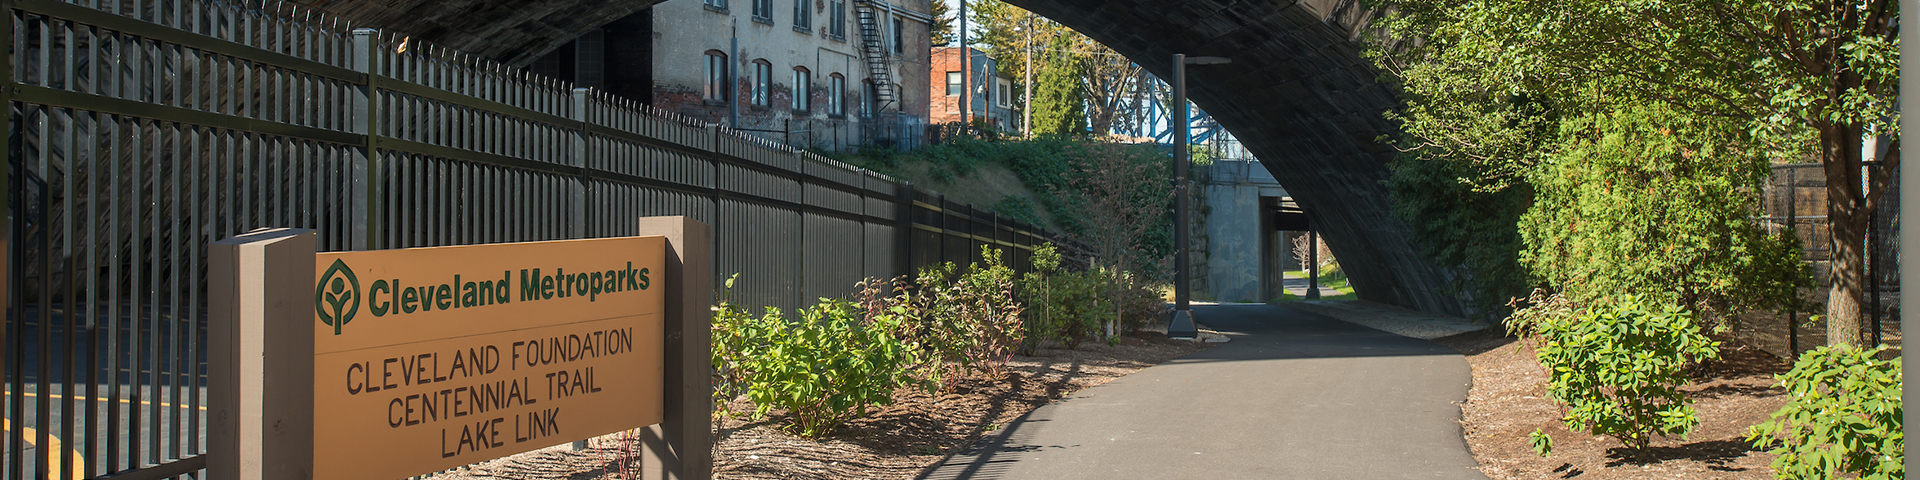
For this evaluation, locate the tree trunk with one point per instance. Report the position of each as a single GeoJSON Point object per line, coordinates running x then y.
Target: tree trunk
{"type": "Point", "coordinates": [1847, 214]}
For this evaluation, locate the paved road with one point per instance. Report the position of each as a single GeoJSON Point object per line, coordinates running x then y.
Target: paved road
{"type": "Point", "coordinates": [1294, 395]}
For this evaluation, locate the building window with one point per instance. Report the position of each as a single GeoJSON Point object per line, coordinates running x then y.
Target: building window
{"type": "Point", "coordinates": [802, 15]}
{"type": "Point", "coordinates": [802, 89]}
{"type": "Point", "coordinates": [899, 45]}
{"type": "Point", "coordinates": [953, 84]}
{"type": "Point", "coordinates": [762, 82]}
{"type": "Point", "coordinates": [716, 76]}
{"type": "Point", "coordinates": [763, 11]}
{"type": "Point", "coordinates": [717, 5]}
{"type": "Point", "coordinates": [837, 19]}
{"type": "Point", "coordinates": [869, 104]}
{"type": "Point", "coordinates": [1006, 92]}
{"type": "Point", "coordinates": [837, 95]}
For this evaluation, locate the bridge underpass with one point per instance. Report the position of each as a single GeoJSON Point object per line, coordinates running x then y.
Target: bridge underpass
{"type": "Point", "coordinates": [1298, 93]}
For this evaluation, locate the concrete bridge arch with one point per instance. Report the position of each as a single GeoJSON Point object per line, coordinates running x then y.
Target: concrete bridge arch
{"type": "Point", "coordinates": [1298, 93]}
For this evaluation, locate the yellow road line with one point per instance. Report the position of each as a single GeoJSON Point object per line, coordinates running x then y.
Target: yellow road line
{"type": "Point", "coordinates": [142, 402]}
{"type": "Point", "coordinates": [53, 445]}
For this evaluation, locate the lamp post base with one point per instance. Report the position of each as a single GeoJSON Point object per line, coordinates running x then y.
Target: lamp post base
{"type": "Point", "coordinates": [1182, 326]}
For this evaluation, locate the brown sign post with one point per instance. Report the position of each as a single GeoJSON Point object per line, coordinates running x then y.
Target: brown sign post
{"type": "Point", "coordinates": [419, 360]}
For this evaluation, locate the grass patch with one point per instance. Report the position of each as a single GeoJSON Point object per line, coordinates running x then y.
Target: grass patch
{"type": "Point", "coordinates": [1336, 281]}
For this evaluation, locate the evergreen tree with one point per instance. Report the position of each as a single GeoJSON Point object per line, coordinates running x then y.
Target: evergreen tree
{"type": "Point", "coordinates": [1059, 106]}
{"type": "Point", "coordinates": [942, 23]}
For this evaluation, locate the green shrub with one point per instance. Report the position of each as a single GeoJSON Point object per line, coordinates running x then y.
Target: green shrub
{"type": "Point", "coordinates": [1843, 416]}
{"type": "Point", "coordinates": [1617, 366]}
{"type": "Point", "coordinates": [1140, 303]}
{"type": "Point", "coordinates": [1066, 307]}
{"type": "Point", "coordinates": [824, 369]}
{"type": "Point", "coordinates": [733, 334]}
{"type": "Point", "coordinates": [968, 320]}
{"type": "Point", "coordinates": [1648, 198]}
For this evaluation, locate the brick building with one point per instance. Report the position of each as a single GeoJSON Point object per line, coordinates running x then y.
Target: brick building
{"type": "Point", "coordinates": [992, 96]}
{"type": "Point", "coordinates": [830, 74]}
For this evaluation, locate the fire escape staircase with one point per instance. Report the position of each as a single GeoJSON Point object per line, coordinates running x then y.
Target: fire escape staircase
{"type": "Point", "coordinates": [874, 49]}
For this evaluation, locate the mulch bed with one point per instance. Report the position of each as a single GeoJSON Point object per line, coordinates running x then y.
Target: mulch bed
{"type": "Point", "coordinates": [1508, 401]}
{"type": "Point", "coordinates": [897, 442]}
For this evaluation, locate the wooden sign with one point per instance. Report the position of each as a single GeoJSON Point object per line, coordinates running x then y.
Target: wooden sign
{"type": "Point", "coordinates": [431, 358]}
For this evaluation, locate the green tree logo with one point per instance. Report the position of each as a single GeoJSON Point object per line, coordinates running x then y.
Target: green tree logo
{"type": "Point", "coordinates": [337, 291]}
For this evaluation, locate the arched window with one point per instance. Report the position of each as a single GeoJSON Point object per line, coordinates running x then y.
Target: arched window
{"type": "Point", "coordinates": [716, 76]}
{"type": "Point", "coordinates": [762, 82]}
{"type": "Point", "coordinates": [802, 89]}
{"type": "Point", "coordinates": [837, 95]}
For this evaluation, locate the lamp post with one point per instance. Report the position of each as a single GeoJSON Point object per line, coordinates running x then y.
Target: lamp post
{"type": "Point", "coordinates": [1182, 326]}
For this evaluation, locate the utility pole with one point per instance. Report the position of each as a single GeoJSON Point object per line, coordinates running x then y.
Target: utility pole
{"type": "Point", "coordinates": [1182, 325]}
{"type": "Point", "coordinates": [1313, 264]}
{"type": "Point", "coordinates": [733, 77]}
{"type": "Point", "coordinates": [966, 74]}
{"type": "Point", "coordinates": [1026, 112]}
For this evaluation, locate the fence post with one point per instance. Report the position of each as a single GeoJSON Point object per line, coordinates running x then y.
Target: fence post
{"type": "Point", "coordinates": [577, 212]}
{"type": "Point", "coordinates": [905, 196]}
{"type": "Point", "coordinates": [366, 159]}
{"type": "Point", "coordinates": [260, 356]}
{"type": "Point", "coordinates": [800, 285]}
{"type": "Point", "coordinates": [8, 282]}
{"type": "Point", "coordinates": [681, 446]}
{"type": "Point", "coordinates": [1873, 257]}
{"type": "Point", "coordinates": [944, 207]}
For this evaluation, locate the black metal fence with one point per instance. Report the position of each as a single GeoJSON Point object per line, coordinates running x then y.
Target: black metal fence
{"type": "Point", "coordinates": [140, 131]}
{"type": "Point", "coordinates": [1796, 201]}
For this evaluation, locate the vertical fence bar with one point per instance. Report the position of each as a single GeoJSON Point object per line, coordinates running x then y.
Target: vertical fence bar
{"type": "Point", "coordinates": [366, 159]}
{"type": "Point", "coordinates": [577, 133]}
{"type": "Point", "coordinates": [10, 317]}
{"type": "Point", "coordinates": [11, 326]}
{"type": "Point", "coordinates": [1873, 260]}
{"type": "Point", "coordinates": [1793, 315]}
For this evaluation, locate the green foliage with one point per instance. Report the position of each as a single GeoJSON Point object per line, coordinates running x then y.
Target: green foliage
{"type": "Point", "coordinates": [1648, 199]}
{"type": "Point", "coordinates": [1140, 303]}
{"type": "Point", "coordinates": [968, 319]}
{"type": "Point", "coordinates": [1502, 93]}
{"type": "Point", "coordinates": [1059, 104]}
{"type": "Point", "coordinates": [1459, 224]}
{"type": "Point", "coordinates": [1070, 174]}
{"type": "Point", "coordinates": [1542, 444]}
{"type": "Point", "coordinates": [1072, 307]}
{"type": "Point", "coordinates": [1618, 365]}
{"type": "Point", "coordinates": [942, 30]}
{"type": "Point", "coordinates": [824, 369]}
{"type": "Point", "coordinates": [1018, 208]}
{"type": "Point", "coordinates": [733, 335]}
{"type": "Point", "coordinates": [1066, 307]}
{"type": "Point", "coordinates": [1843, 417]}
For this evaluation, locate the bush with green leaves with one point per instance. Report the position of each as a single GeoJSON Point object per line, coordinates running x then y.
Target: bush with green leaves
{"type": "Point", "coordinates": [1066, 307]}
{"type": "Point", "coordinates": [1843, 417]}
{"type": "Point", "coordinates": [732, 336]}
{"type": "Point", "coordinates": [968, 319]}
{"type": "Point", "coordinates": [1648, 198]}
{"type": "Point", "coordinates": [824, 368]}
{"type": "Point", "coordinates": [1617, 364]}
{"type": "Point", "coordinates": [1140, 303]}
